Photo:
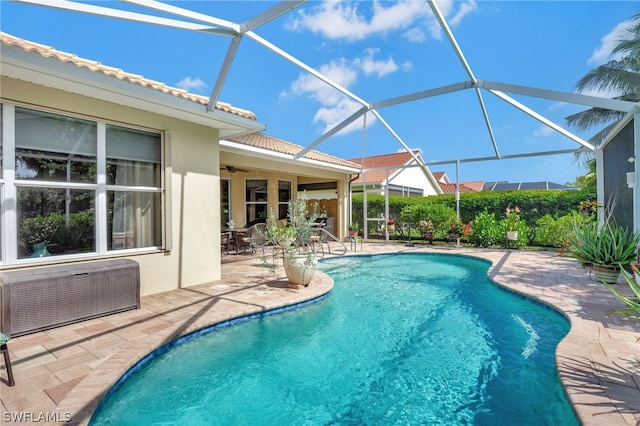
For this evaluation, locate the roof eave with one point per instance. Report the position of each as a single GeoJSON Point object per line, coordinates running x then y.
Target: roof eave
{"type": "Point", "coordinates": [49, 72]}
{"type": "Point", "coordinates": [235, 147]}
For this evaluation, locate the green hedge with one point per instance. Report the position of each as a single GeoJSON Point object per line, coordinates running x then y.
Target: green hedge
{"type": "Point", "coordinates": [534, 204]}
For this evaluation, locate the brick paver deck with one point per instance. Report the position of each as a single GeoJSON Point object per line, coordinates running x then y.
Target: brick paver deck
{"type": "Point", "coordinates": [61, 374]}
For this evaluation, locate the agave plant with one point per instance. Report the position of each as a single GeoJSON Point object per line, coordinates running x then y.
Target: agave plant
{"type": "Point", "coordinates": [632, 309]}
{"type": "Point", "coordinates": [607, 244]}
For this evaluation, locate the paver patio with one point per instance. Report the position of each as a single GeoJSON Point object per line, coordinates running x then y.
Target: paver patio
{"type": "Point", "coordinates": [61, 374]}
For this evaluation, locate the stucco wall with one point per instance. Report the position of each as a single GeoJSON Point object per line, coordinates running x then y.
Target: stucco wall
{"type": "Point", "coordinates": [193, 190]}
{"type": "Point", "coordinates": [414, 177]}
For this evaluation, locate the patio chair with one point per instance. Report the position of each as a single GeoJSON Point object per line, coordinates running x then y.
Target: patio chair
{"type": "Point", "coordinates": [7, 361]}
{"type": "Point", "coordinates": [252, 239]}
{"type": "Point", "coordinates": [225, 242]}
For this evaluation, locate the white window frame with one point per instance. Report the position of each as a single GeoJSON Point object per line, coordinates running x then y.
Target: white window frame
{"type": "Point", "coordinates": [285, 203]}
{"type": "Point", "coordinates": [9, 185]}
{"type": "Point", "coordinates": [247, 203]}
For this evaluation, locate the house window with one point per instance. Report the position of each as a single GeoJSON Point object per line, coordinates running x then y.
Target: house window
{"type": "Point", "coordinates": [284, 195]}
{"type": "Point", "coordinates": [69, 198]}
{"type": "Point", "coordinates": [256, 200]}
{"type": "Point", "coordinates": [225, 199]}
{"type": "Point", "coordinates": [133, 189]}
{"type": "Point", "coordinates": [55, 181]}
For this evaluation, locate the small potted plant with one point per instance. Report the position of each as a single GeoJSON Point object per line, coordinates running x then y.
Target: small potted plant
{"type": "Point", "coordinates": [427, 229]}
{"type": "Point", "coordinates": [391, 225]}
{"type": "Point", "coordinates": [353, 229]}
{"type": "Point", "coordinates": [512, 220]}
{"type": "Point", "coordinates": [283, 236]}
{"type": "Point", "coordinates": [588, 207]}
{"type": "Point", "coordinates": [455, 228]}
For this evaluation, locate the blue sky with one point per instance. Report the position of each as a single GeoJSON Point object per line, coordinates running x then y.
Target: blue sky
{"type": "Point", "coordinates": [376, 50]}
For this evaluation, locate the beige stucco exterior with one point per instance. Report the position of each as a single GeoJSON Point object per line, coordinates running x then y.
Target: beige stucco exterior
{"type": "Point", "coordinates": [192, 183]}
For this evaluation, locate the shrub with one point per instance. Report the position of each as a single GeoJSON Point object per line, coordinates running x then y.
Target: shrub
{"type": "Point", "coordinates": [486, 230]}
{"type": "Point", "coordinates": [77, 235]}
{"type": "Point", "coordinates": [39, 229]}
{"type": "Point", "coordinates": [437, 214]}
{"type": "Point", "coordinates": [555, 232]}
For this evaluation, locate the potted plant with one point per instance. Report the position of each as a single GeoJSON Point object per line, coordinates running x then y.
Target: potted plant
{"type": "Point", "coordinates": [391, 225]}
{"type": "Point", "coordinates": [588, 207]}
{"type": "Point", "coordinates": [512, 223]}
{"type": "Point", "coordinates": [294, 240]}
{"type": "Point", "coordinates": [353, 229]}
{"type": "Point", "coordinates": [606, 248]}
{"type": "Point", "coordinates": [455, 227]}
{"type": "Point", "coordinates": [427, 229]}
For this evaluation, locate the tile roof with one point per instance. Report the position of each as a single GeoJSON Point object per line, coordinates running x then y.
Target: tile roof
{"type": "Point", "coordinates": [270, 143]}
{"type": "Point", "coordinates": [94, 66]}
{"type": "Point", "coordinates": [393, 161]}
{"type": "Point", "coordinates": [439, 176]}
{"type": "Point", "coordinates": [450, 188]}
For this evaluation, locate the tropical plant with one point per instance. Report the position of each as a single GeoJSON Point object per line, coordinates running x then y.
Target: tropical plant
{"type": "Point", "coordinates": [588, 206]}
{"type": "Point", "coordinates": [632, 309]}
{"type": "Point", "coordinates": [354, 226]}
{"type": "Point", "coordinates": [620, 75]}
{"type": "Point", "coordinates": [607, 244]}
{"type": "Point", "coordinates": [512, 218]}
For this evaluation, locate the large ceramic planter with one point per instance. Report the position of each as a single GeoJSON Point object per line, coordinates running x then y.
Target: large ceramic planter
{"type": "Point", "coordinates": [608, 274]}
{"type": "Point", "coordinates": [300, 268]}
{"type": "Point", "coordinates": [512, 235]}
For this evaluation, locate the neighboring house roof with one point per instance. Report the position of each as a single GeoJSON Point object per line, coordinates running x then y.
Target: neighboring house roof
{"type": "Point", "coordinates": [521, 186]}
{"type": "Point", "coordinates": [27, 68]}
{"type": "Point", "coordinates": [270, 143]}
{"type": "Point", "coordinates": [393, 163]}
{"type": "Point", "coordinates": [449, 187]}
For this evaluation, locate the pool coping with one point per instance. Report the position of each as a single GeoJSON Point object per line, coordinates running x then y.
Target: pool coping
{"type": "Point", "coordinates": [596, 363]}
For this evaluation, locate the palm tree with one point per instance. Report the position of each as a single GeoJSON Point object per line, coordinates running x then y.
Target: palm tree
{"type": "Point", "coordinates": [618, 75]}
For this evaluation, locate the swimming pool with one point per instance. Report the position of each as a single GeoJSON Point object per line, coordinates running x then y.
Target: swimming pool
{"type": "Point", "coordinates": [402, 339]}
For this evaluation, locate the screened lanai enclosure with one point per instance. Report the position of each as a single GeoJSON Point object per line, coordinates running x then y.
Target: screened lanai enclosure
{"type": "Point", "coordinates": [516, 97]}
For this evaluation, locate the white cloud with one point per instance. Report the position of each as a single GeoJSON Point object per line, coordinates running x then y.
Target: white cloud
{"type": "Point", "coordinates": [463, 10]}
{"type": "Point", "coordinates": [603, 53]}
{"type": "Point", "coordinates": [333, 114]}
{"type": "Point", "coordinates": [543, 131]}
{"type": "Point", "coordinates": [191, 84]}
{"type": "Point", "coordinates": [371, 66]}
{"type": "Point", "coordinates": [335, 106]}
{"type": "Point", "coordinates": [415, 35]}
{"type": "Point", "coordinates": [344, 20]}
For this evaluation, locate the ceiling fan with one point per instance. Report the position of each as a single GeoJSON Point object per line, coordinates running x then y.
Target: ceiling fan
{"type": "Point", "coordinates": [232, 169]}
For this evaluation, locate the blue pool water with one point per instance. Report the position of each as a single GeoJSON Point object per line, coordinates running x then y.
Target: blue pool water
{"type": "Point", "coordinates": [401, 339]}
